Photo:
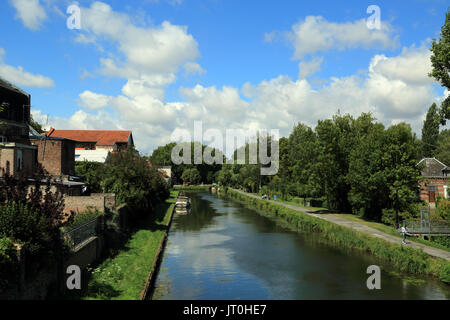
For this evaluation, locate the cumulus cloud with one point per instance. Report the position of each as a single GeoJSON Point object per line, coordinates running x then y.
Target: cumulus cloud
{"type": "Point", "coordinates": [30, 12]}
{"type": "Point", "coordinates": [308, 68]}
{"type": "Point", "coordinates": [279, 103]}
{"type": "Point", "coordinates": [193, 68]}
{"type": "Point", "coordinates": [19, 76]}
{"type": "Point", "coordinates": [316, 34]}
{"type": "Point", "coordinates": [155, 49]}
{"type": "Point", "coordinates": [93, 101]}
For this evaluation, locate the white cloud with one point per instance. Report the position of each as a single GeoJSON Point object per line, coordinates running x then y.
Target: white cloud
{"type": "Point", "coordinates": [308, 68]}
{"type": "Point", "coordinates": [19, 76]}
{"type": "Point", "coordinates": [278, 103]}
{"type": "Point", "coordinates": [30, 12]}
{"type": "Point", "coordinates": [156, 49]}
{"type": "Point", "coordinates": [193, 68]}
{"type": "Point", "coordinates": [316, 34]}
{"type": "Point", "coordinates": [93, 101]}
{"type": "Point", "coordinates": [412, 66]}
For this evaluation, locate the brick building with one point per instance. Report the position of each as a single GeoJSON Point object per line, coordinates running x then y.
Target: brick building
{"type": "Point", "coordinates": [434, 182]}
{"type": "Point", "coordinates": [56, 155]}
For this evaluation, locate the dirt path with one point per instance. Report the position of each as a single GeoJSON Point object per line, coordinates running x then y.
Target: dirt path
{"type": "Point", "coordinates": [435, 252]}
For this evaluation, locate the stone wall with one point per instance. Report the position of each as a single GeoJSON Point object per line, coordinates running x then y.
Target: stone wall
{"type": "Point", "coordinates": [99, 201]}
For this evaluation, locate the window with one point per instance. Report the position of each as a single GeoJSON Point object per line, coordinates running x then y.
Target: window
{"type": "Point", "coordinates": [19, 160]}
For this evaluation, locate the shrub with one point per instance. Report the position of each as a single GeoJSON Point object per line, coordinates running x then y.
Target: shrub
{"type": "Point", "coordinates": [32, 215]}
{"type": "Point", "coordinates": [445, 273]}
{"type": "Point", "coordinates": [443, 209]}
{"type": "Point", "coordinates": [8, 262]}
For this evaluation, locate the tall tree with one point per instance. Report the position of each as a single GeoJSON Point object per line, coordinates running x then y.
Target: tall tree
{"type": "Point", "coordinates": [440, 60]}
{"type": "Point", "coordinates": [443, 147]}
{"type": "Point", "coordinates": [430, 131]}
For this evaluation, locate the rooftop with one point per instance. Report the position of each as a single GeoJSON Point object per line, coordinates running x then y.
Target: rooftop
{"type": "Point", "coordinates": [100, 137]}
{"type": "Point", "coordinates": [8, 85]}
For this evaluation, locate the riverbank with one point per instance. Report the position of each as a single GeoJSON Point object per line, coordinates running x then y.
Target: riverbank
{"type": "Point", "coordinates": [124, 276]}
{"type": "Point", "coordinates": [202, 187]}
{"type": "Point", "coordinates": [405, 259]}
{"type": "Point", "coordinates": [384, 229]}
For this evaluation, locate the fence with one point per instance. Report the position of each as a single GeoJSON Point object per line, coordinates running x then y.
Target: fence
{"type": "Point", "coordinates": [427, 227]}
{"type": "Point", "coordinates": [80, 233]}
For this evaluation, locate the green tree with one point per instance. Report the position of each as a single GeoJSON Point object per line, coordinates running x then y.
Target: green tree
{"type": "Point", "coordinates": [443, 147]}
{"type": "Point", "coordinates": [430, 131]}
{"type": "Point", "coordinates": [383, 174]}
{"type": "Point", "coordinates": [134, 182]}
{"type": "Point", "coordinates": [36, 125]}
{"type": "Point", "coordinates": [191, 175]}
{"type": "Point", "coordinates": [440, 60]}
{"type": "Point", "coordinates": [92, 172]}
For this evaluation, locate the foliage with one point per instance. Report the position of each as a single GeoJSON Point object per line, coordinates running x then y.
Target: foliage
{"type": "Point", "coordinates": [8, 262]}
{"type": "Point", "coordinates": [443, 147]}
{"type": "Point", "coordinates": [92, 172]}
{"type": "Point", "coordinates": [430, 131]}
{"type": "Point", "coordinates": [35, 125]}
{"type": "Point", "coordinates": [440, 60]}
{"type": "Point", "coordinates": [133, 181]}
{"type": "Point", "coordinates": [81, 218]}
{"type": "Point", "coordinates": [445, 273]}
{"type": "Point", "coordinates": [443, 209]}
{"type": "Point", "coordinates": [162, 156]}
{"type": "Point", "coordinates": [191, 175]}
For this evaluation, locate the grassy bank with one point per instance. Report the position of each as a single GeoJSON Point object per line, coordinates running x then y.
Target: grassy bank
{"type": "Point", "coordinates": [204, 187]}
{"type": "Point", "coordinates": [404, 259]}
{"type": "Point", "coordinates": [123, 276]}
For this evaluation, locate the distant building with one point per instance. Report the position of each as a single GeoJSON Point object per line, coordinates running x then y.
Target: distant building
{"type": "Point", "coordinates": [111, 140]}
{"type": "Point", "coordinates": [166, 173]}
{"type": "Point", "coordinates": [100, 155]}
{"type": "Point", "coordinates": [435, 176]}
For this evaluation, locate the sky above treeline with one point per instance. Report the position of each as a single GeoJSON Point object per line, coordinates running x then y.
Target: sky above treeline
{"type": "Point", "coordinates": [156, 66]}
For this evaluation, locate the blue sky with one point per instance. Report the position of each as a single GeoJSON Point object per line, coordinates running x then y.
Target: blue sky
{"type": "Point", "coordinates": [155, 66]}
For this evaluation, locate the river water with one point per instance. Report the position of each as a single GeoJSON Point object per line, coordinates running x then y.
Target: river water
{"type": "Point", "coordinates": [224, 250]}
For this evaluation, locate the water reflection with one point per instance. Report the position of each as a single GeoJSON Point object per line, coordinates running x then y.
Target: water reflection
{"type": "Point", "coordinates": [224, 250]}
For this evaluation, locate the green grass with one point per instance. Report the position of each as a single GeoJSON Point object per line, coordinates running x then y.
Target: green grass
{"type": "Point", "coordinates": [123, 276]}
{"type": "Point", "coordinates": [404, 259]}
{"type": "Point", "coordinates": [321, 209]}
{"type": "Point", "coordinates": [193, 187]}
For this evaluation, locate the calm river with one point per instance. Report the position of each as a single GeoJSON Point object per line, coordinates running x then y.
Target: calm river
{"type": "Point", "coordinates": [224, 250]}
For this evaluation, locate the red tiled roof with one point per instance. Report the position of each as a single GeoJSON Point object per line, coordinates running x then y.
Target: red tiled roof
{"type": "Point", "coordinates": [101, 137]}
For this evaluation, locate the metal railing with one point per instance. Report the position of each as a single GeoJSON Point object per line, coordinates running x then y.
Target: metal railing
{"type": "Point", "coordinates": [427, 227]}
{"type": "Point", "coordinates": [80, 233]}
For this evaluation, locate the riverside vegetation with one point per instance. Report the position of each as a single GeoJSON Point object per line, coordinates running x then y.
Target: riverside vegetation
{"type": "Point", "coordinates": [404, 259]}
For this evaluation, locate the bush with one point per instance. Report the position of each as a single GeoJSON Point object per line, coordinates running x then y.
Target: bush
{"type": "Point", "coordinates": [32, 215]}
{"type": "Point", "coordinates": [443, 209]}
{"type": "Point", "coordinates": [445, 273]}
{"type": "Point", "coordinates": [8, 262]}
{"type": "Point", "coordinates": [92, 172]}
{"type": "Point", "coordinates": [81, 218]}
